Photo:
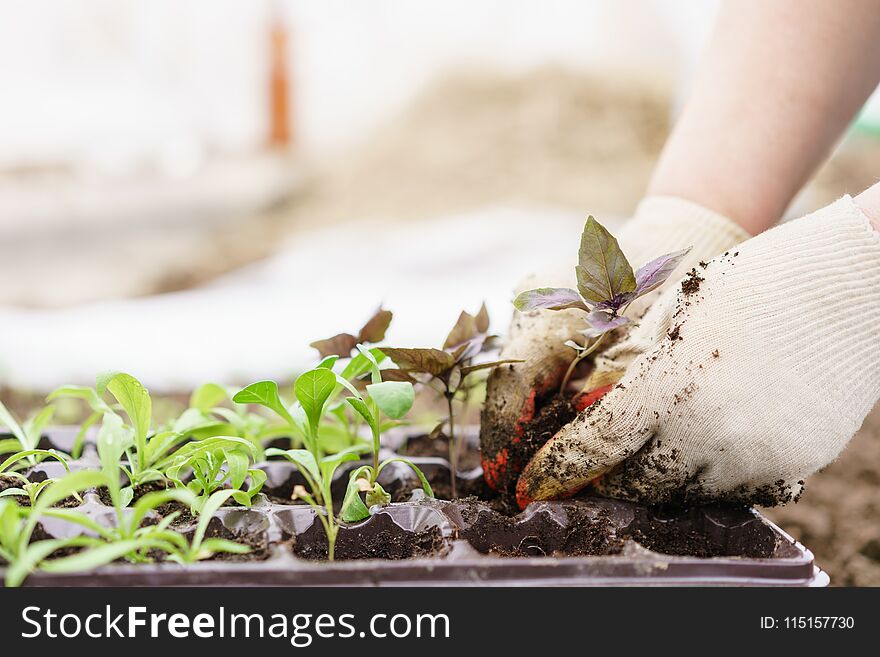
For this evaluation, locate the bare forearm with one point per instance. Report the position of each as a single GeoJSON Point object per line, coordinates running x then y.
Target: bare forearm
{"type": "Point", "coordinates": [777, 87]}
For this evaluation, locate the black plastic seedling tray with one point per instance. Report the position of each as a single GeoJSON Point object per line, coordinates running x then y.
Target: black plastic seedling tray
{"type": "Point", "coordinates": [581, 542]}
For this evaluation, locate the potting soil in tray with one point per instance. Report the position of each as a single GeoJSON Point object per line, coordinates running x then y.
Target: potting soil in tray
{"type": "Point", "coordinates": [583, 541]}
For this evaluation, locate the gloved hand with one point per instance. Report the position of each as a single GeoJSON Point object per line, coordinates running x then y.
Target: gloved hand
{"type": "Point", "coordinates": [741, 382]}
{"type": "Point", "coordinates": [660, 225]}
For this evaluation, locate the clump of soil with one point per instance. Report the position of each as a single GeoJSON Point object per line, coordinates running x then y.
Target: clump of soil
{"type": "Point", "coordinates": [423, 445]}
{"type": "Point", "coordinates": [139, 491]}
{"type": "Point", "coordinates": [377, 538]}
{"type": "Point", "coordinates": [256, 541]}
{"type": "Point", "coordinates": [554, 413]}
{"type": "Point", "coordinates": [585, 533]}
{"type": "Point", "coordinates": [691, 283]}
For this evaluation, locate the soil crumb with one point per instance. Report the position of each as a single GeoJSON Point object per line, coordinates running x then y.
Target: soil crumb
{"type": "Point", "coordinates": [691, 283]}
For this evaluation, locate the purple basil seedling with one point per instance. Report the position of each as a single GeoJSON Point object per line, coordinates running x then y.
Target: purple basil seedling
{"type": "Point", "coordinates": [606, 285]}
{"type": "Point", "coordinates": [449, 369]}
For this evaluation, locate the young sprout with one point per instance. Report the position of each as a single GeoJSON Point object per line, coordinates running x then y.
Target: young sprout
{"type": "Point", "coordinates": [313, 389]}
{"type": "Point", "coordinates": [336, 433]}
{"type": "Point", "coordinates": [393, 399]}
{"type": "Point", "coordinates": [606, 286]}
{"type": "Point", "coordinates": [214, 462]}
{"type": "Point", "coordinates": [25, 435]}
{"type": "Point", "coordinates": [448, 369]}
{"type": "Point", "coordinates": [146, 452]}
{"type": "Point", "coordinates": [28, 488]}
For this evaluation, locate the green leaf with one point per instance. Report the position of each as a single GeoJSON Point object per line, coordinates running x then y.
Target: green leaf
{"type": "Point", "coordinates": [301, 458]}
{"type": "Point", "coordinates": [378, 496]}
{"type": "Point", "coordinates": [329, 464]}
{"type": "Point", "coordinates": [214, 502]}
{"type": "Point", "coordinates": [136, 402]}
{"type": "Point", "coordinates": [328, 362]}
{"type": "Point", "coordinates": [94, 557]}
{"type": "Point", "coordinates": [207, 396]}
{"type": "Point", "coordinates": [429, 361]}
{"type": "Point", "coordinates": [313, 389]}
{"type": "Point", "coordinates": [421, 475]}
{"type": "Point", "coordinates": [353, 508]}
{"type": "Point", "coordinates": [394, 398]}
{"type": "Point", "coordinates": [89, 395]}
{"type": "Point", "coordinates": [75, 482]}
{"type": "Point", "coordinates": [238, 466]}
{"type": "Point", "coordinates": [33, 427]}
{"type": "Point", "coordinates": [603, 271]}
{"type": "Point", "coordinates": [363, 410]}
{"type": "Point", "coordinates": [359, 365]}
{"type": "Point", "coordinates": [48, 453]}
{"type": "Point", "coordinates": [211, 546]}
{"type": "Point", "coordinates": [264, 393]}
{"type": "Point", "coordinates": [14, 427]}
{"type": "Point", "coordinates": [374, 364]}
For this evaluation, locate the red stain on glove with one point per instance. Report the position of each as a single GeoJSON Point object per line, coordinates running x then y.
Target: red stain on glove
{"type": "Point", "coordinates": [581, 402]}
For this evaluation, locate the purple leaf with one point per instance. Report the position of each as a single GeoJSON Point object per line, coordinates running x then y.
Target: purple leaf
{"type": "Point", "coordinates": [549, 298]}
{"type": "Point", "coordinates": [375, 328]}
{"type": "Point", "coordinates": [602, 271]}
{"type": "Point", "coordinates": [429, 361]}
{"type": "Point", "coordinates": [602, 322]}
{"type": "Point", "coordinates": [482, 319]}
{"type": "Point", "coordinates": [465, 329]}
{"type": "Point", "coordinates": [339, 345]}
{"type": "Point", "coordinates": [655, 273]}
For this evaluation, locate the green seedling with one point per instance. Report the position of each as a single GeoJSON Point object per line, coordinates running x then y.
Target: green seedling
{"type": "Point", "coordinates": [449, 370]}
{"type": "Point", "coordinates": [207, 417]}
{"type": "Point", "coordinates": [215, 463]}
{"type": "Point", "coordinates": [337, 432]}
{"type": "Point", "coordinates": [129, 539]}
{"type": "Point", "coordinates": [393, 399]}
{"type": "Point", "coordinates": [146, 452]}
{"type": "Point", "coordinates": [25, 435]}
{"type": "Point", "coordinates": [606, 286]}
{"type": "Point", "coordinates": [17, 526]}
{"type": "Point", "coordinates": [313, 390]}
{"type": "Point", "coordinates": [28, 488]}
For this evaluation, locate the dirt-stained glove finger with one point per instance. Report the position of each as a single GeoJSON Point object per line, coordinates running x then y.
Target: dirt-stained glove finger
{"type": "Point", "coordinates": [512, 390]}
{"type": "Point", "coordinates": [597, 440]}
{"type": "Point", "coordinates": [667, 471]}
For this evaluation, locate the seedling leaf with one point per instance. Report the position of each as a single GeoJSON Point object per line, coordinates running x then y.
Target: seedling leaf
{"type": "Point", "coordinates": [655, 273]}
{"type": "Point", "coordinates": [340, 345]}
{"type": "Point", "coordinates": [549, 298]}
{"type": "Point", "coordinates": [313, 389]}
{"type": "Point", "coordinates": [602, 271]}
{"type": "Point", "coordinates": [465, 329]}
{"type": "Point", "coordinates": [428, 361]}
{"type": "Point", "coordinates": [375, 328]}
{"type": "Point", "coordinates": [207, 396]}
{"type": "Point", "coordinates": [266, 394]}
{"type": "Point", "coordinates": [601, 322]}
{"type": "Point", "coordinates": [394, 398]}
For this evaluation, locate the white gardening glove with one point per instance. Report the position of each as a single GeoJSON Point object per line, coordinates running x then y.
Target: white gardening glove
{"type": "Point", "coordinates": [660, 225]}
{"type": "Point", "coordinates": [739, 385]}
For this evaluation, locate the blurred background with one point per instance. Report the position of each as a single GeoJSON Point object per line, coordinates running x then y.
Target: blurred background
{"type": "Point", "coordinates": [195, 191]}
